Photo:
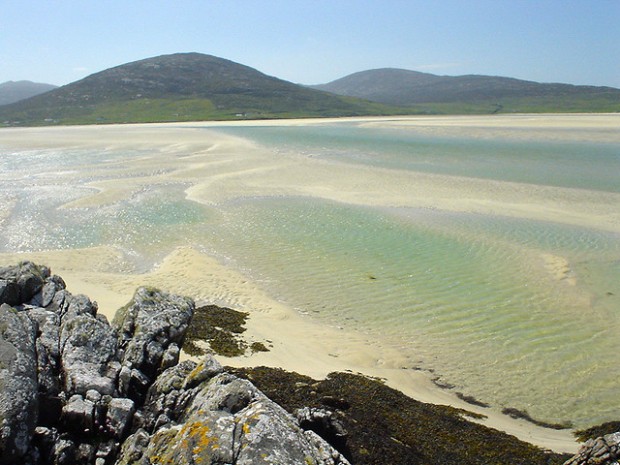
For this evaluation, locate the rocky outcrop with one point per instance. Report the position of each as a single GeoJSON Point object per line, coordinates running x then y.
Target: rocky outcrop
{"type": "Point", "coordinates": [18, 383]}
{"type": "Point", "coordinates": [600, 451]}
{"type": "Point", "coordinates": [196, 413]}
{"type": "Point", "coordinates": [151, 329]}
{"type": "Point", "coordinates": [76, 390]}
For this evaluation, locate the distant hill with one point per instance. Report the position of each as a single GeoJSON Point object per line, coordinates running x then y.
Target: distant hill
{"type": "Point", "coordinates": [14, 91]}
{"type": "Point", "coordinates": [194, 86]}
{"type": "Point", "coordinates": [411, 88]}
{"type": "Point", "coordinates": [181, 87]}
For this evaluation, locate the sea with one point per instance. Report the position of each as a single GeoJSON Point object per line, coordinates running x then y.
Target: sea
{"type": "Point", "coordinates": [514, 312]}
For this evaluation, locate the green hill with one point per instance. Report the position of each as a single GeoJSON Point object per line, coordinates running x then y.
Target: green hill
{"type": "Point", "coordinates": [471, 93]}
{"type": "Point", "coordinates": [181, 87]}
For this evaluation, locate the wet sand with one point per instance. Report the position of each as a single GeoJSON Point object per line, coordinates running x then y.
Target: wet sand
{"type": "Point", "coordinates": [217, 168]}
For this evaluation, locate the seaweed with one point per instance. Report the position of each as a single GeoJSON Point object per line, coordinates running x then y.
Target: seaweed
{"type": "Point", "coordinates": [523, 415]}
{"type": "Point", "coordinates": [386, 426]}
{"type": "Point", "coordinates": [220, 327]}
{"type": "Point", "coordinates": [471, 400]}
{"type": "Point", "coordinates": [598, 431]}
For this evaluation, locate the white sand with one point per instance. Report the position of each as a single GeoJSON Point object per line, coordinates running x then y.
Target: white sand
{"type": "Point", "coordinates": [217, 168]}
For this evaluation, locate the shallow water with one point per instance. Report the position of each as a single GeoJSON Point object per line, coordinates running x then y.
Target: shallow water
{"type": "Point", "coordinates": [515, 312]}
{"type": "Point", "coordinates": [481, 301]}
{"type": "Point", "coordinates": [593, 166]}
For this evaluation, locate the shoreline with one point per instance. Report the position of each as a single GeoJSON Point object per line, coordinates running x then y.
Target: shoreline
{"type": "Point", "coordinates": [291, 337]}
{"type": "Point", "coordinates": [219, 167]}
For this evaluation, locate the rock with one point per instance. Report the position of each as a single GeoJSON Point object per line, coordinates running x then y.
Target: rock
{"type": "Point", "coordinates": [78, 415]}
{"type": "Point", "coordinates": [48, 350]}
{"type": "Point", "coordinates": [219, 418]}
{"type": "Point", "coordinates": [88, 354]}
{"type": "Point", "coordinates": [77, 305]}
{"type": "Point", "coordinates": [134, 448]}
{"type": "Point", "coordinates": [147, 327]}
{"type": "Point", "coordinates": [49, 290]}
{"type": "Point", "coordinates": [75, 390]}
{"type": "Point", "coordinates": [64, 452]}
{"type": "Point", "coordinates": [324, 423]}
{"type": "Point", "coordinates": [9, 292]}
{"type": "Point", "coordinates": [25, 279]}
{"type": "Point", "coordinates": [118, 418]}
{"type": "Point", "coordinates": [600, 451]}
{"type": "Point", "coordinates": [18, 384]}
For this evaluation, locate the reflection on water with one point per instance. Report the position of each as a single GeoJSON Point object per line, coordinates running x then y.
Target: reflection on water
{"type": "Point", "coordinates": [516, 312]}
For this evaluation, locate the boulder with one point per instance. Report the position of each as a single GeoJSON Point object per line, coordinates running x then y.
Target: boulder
{"type": "Point", "coordinates": [119, 415]}
{"type": "Point", "coordinates": [18, 384]}
{"type": "Point", "coordinates": [600, 451]}
{"type": "Point", "coordinates": [88, 354]}
{"type": "Point", "coordinates": [152, 323]}
{"type": "Point", "coordinates": [48, 350]}
{"type": "Point", "coordinates": [215, 417]}
{"type": "Point", "coordinates": [20, 283]}
{"type": "Point", "coordinates": [78, 415]}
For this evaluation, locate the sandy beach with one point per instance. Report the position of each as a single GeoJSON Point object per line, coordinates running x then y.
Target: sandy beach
{"type": "Point", "coordinates": [214, 167]}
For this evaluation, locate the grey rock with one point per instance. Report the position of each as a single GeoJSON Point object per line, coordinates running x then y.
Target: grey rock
{"type": "Point", "coordinates": [26, 279]}
{"type": "Point", "coordinates": [147, 326]}
{"type": "Point", "coordinates": [9, 292]}
{"type": "Point", "coordinates": [93, 396]}
{"type": "Point", "coordinates": [85, 454]}
{"type": "Point", "coordinates": [322, 422]}
{"type": "Point", "coordinates": [98, 383]}
{"type": "Point", "coordinates": [119, 415]}
{"type": "Point", "coordinates": [18, 384]}
{"type": "Point", "coordinates": [204, 371]}
{"type": "Point", "coordinates": [170, 357]}
{"type": "Point", "coordinates": [134, 448]}
{"type": "Point", "coordinates": [78, 415]}
{"type": "Point", "coordinates": [224, 419]}
{"type": "Point", "coordinates": [88, 355]}
{"type": "Point", "coordinates": [64, 452]}
{"type": "Point", "coordinates": [107, 451]}
{"type": "Point", "coordinates": [77, 305]}
{"type": "Point", "coordinates": [48, 350]}
{"type": "Point", "coordinates": [600, 451]}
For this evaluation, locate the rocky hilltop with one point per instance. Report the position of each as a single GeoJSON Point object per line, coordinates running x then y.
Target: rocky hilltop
{"type": "Point", "coordinates": [77, 389]}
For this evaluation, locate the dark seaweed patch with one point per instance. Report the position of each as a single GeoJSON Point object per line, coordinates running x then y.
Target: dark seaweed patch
{"type": "Point", "coordinates": [386, 426]}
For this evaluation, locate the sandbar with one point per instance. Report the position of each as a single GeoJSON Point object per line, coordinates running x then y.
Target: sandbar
{"type": "Point", "coordinates": [216, 168]}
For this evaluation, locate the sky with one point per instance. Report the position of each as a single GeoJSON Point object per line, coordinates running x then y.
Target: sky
{"type": "Point", "coordinates": [317, 41]}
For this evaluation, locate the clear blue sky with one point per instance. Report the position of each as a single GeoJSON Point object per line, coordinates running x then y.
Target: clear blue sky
{"type": "Point", "coordinates": [316, 41]}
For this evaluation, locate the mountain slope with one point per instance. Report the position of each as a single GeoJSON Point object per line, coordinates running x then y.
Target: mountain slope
{"type": "Point", "coordinates": [14, 91]}
{"type": "Point", "coordinates": [403, 87]}
{"type": "Point", "coordinates": [184, 86]}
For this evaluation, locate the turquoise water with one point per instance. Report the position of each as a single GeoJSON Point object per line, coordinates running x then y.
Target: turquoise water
{"type": "Point", "coordinates": [464, 295]}
{"type": "Point", "coordinates": [582, 165]}
{"type": "Point", "coordinates": [515, 312]}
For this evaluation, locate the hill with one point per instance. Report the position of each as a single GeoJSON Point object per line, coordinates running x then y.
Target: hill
{"type": "Point", "coordinates": [181, 87]}
{"type": "Point", "coordinates": [14, 91]}
{"type": "Point", "coordinates": [471, 93]}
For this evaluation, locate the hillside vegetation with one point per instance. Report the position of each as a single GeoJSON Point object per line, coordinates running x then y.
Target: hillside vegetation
{"type": "Point", "coordinates": [429, 93]}
{"type": "Point", "coordinates": [194, 87]}
{"type": "Point", "coordinates": [181, 87]}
